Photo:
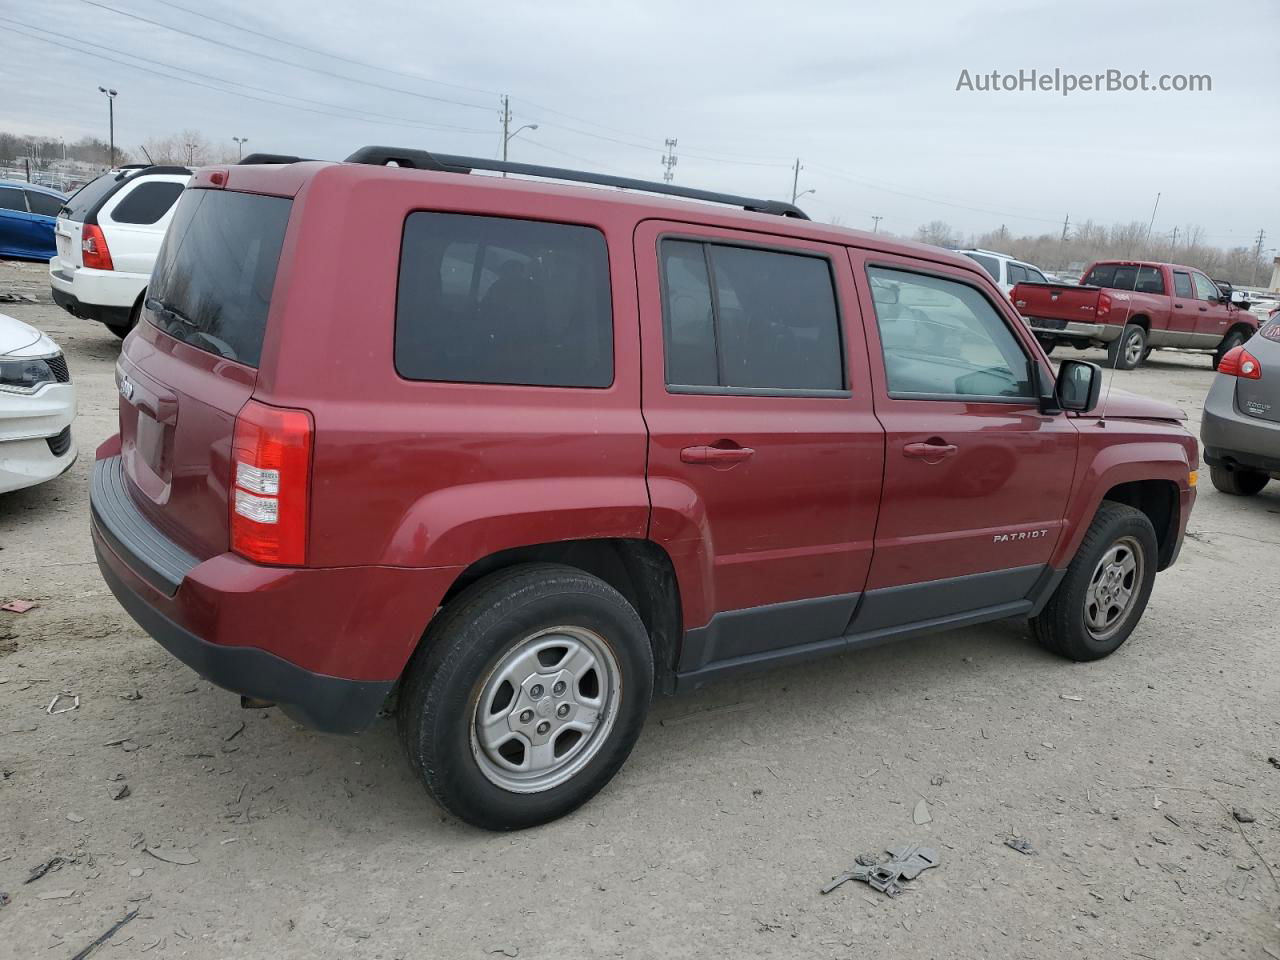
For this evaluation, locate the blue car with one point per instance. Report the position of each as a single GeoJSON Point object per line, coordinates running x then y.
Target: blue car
{"type": "Point", "coordinates": [27, 216]}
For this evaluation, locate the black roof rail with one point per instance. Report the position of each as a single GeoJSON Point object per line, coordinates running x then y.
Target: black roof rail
{"type": "Point", "coordinates": [452, 163]}
{"type": "Point", "coordinates": [271, 158]}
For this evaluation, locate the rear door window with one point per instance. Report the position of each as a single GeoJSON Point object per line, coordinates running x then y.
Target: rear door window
{"type": "Point", "coordinates": [43, 204]}
{"type": "Point", "coordinates": [147, 202]}
{"type": "Point", "coordinates": [1150, 280]}
{"type": "Point", "coordinates": [742, 318]}
{"type": "Point", "coordinates": [496, 300]}
{"type": "Point", "coordinates": [11, 199]}
{"type": "Point", "coordinates": [1182, 284]}
{"type": "Point", "coordinates": [84, 199]}
{"type": "Point", "coordinates": [217, 265]}
{"type": "Point", "coordinates": [1017, 272]}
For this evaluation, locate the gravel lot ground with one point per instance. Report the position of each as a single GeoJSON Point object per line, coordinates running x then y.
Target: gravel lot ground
{"type": "Point", "coordinates": [739, 803]}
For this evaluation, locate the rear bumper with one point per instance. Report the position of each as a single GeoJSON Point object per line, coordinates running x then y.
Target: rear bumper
{"type": "Point", "coordinates": [1232, 439]}
{"type": "Point", "coordinates": [327, 645]}
{"type": "Point", "coordinates": [1071, 330]}
{"type": "Point", "coordinates": [106, 296]}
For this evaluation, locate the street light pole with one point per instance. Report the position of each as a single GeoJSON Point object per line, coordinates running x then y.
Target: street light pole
{"type": "Point", "coordinates": [111, 119]}
{"type": "Point", "coordinates": [240, 142]}
{"type": "Point", "coordinates": [506, 125]}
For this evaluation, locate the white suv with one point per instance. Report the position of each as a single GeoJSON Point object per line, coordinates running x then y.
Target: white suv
{"type": "Point", "coordinates": [108, 235]}
{"type": "Point", "coordinates": [1004, 269]}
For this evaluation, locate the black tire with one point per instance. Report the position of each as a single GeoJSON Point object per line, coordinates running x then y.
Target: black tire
{"type": "Point", "coordinates": [463, 647]}
{"type": "Point", "coordinates": [121, 330]}
{"type": "Point", "coordinates": [1047, 345]}
{"type": "Point", "coordinates": [1128, 350]}
{"type": "Point", "coordinates": [1146, 354]}
{"type": "Point", "coordinates": [1238, 482]}
{"type": "Point", "coordinates": [1233, 339]}
{"type": "Point", "coordinates": [1061, 625]}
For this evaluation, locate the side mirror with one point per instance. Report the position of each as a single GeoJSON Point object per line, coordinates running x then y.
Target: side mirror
{"type": "Point", "coordinates": [1079, 385]}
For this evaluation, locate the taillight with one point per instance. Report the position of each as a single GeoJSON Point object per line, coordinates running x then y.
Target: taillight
{"type": "Point", "coordinates": [1104, 305]}
{"type": "Point", "coordinates": [93, 248]}
{"type": "Point", "coordinates": [1239, 362]}
{"type": "Point", "coordinates": [270, 484]}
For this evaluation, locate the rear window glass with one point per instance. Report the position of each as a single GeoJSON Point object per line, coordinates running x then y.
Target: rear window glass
{"type": "Point", "coordinates": [1112, 276]}
{"type": "Point", "coordinates": [78, 206]}
{"type": "Point", "coordinates": [494, 300]}
{"type": "Point", "coordinates": [989, 264]}
{"type": "Point", "coordinates": [1271, 330]}
{"type": "Point", "coordinates": [213, 277]}
{"type": "Point", "coordinates": [147, 202]}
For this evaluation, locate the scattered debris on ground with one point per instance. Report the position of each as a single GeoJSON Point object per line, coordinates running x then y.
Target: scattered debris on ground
{"type": "Point", "coordinates": [921, 815]}
{"type": "Point", "coordinates": [1021, 845]}
{"type": "Point", "coordinates": [906, 862]}
{"type": "Point", "coordinates": [178, 855]}
{"type": "Point", "coordinates": [38, 871]}
{"type": "Point", "coordinates": [75, 704]}
{"type": "Point", "coordinates": [115, 928]}
{"type": "Point", "coordinates": [19, 606]}
{"type": "Point", "coordinates": [1243, 815]}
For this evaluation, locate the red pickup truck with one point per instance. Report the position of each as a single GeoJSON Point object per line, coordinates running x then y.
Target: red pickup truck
{"type": "Point", "coordinates": [586, 444]}
{"type": "Point", "coordinates": [1131, 307]}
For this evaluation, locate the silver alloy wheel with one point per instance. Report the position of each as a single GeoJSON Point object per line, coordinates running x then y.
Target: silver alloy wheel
{"type": "Point", "coordinates": [545, 709]}
{"type": "Point", "coordinates": [1133, 348]}
{"type": "Point", "coordinates": [1113, 588]}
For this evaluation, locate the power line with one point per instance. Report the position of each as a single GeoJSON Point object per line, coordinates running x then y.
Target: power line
{"type": "Point", "coordinates": [352, 115]}
{"type": "Point", "coordinates": [281, 60]}
{"type": "Point", "coordinates": [325, 53]}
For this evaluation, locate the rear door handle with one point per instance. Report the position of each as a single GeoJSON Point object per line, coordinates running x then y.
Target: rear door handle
{"type": "Point", "coordinates": [930, 452]}
{"type": "Point", "coordinates": [1204, 309]}
{"type": "Point", "coordinates": [1177, 306]}
{"type": "Point", "coordinates": [703, 454]}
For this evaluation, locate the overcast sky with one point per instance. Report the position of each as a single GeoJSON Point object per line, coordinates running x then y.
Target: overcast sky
{"type": "Point", "coordinates": [865, 94]}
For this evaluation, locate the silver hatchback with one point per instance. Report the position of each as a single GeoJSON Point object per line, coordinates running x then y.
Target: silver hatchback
{"type": "Point", "coordinates": [1241, 425]}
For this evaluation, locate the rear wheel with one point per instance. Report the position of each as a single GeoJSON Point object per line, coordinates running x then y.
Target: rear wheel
{"type": "Point", "coordinates": [121, 330]}
{"type": "Point", "coordinates": [1232, 340]}
{"type": "Point", "coordinates": [1106, 587]}
{"type": "Point", "coordinates": [1238, 482]}
{"type": "Point", "coordinates": [1129, 349]}
{"type": "Point", "coordinates": [527, 696]}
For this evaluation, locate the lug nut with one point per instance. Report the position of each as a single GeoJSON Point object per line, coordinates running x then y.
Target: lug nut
{"type": "Point", "coordinates": [536, 691]}
{"type": "Point", "coordinates": [543, 727]}
{"type": "Point", "coordinates": [558, 688]}
{"type": "Point", "coordinates": [526, 716]}
{"type": "Point", "coordinates": [562, 711]}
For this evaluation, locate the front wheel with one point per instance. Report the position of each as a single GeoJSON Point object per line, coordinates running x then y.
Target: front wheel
{"type": "Point", "coordinates": [1129, 349]}
{"type": "Point", "coordinates": [527, 696]}
{"type": "Point", "coordinates": [1106, 587]}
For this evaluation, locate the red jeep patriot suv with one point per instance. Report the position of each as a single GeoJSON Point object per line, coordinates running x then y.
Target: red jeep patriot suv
{"type": "Point", "coordinates": [523, 452]}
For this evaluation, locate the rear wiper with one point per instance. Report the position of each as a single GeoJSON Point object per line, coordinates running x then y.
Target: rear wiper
{"type": "Point", "coordinates": [160, 307]}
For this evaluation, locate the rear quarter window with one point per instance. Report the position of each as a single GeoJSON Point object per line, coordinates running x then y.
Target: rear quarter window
{"type": "Point", "coordinates": [496, 300]}
{"type": "Point", "coordinates": [147, 202]}
{"type": "Point", "coordinates": [212, 283]}
{"type": "Point", "coordinates": [989, 264]}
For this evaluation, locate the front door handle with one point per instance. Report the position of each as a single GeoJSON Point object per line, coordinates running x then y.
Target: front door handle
{"type": "Point", "coordinates": [1204, 309]}
{"type": "Point", "coordinates": [930, 452]}
{"type": "Point", "coordinates": [1177, 306]}
{"type": "Point", "coordinates": [703, 454]}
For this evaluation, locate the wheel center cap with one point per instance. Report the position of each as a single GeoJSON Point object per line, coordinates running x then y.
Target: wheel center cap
{"type": "Point", "coordinates": [544, 707]}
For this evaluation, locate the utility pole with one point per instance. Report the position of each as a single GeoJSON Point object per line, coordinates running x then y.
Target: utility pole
{"type": "Point", "coordinates": [1173, 243]}
{"type": "Point", "coordinates": [1066, 225]}
{"type": "Point", "coordinates": [669, 160]}
{"type": "Point", "coordinates": [1257, 255]}
{"type": "Point", "coordinates": [875, 223]}
{"type": "Point", "coordinates": [795, 181]}
{"type": "Point", "coordinates": [111, 119]}
{"type": "Point", "coordinates": [506, 125]}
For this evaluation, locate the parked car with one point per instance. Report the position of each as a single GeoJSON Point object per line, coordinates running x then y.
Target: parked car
{"type": "Point", "coordinates": [1240, 427]}
{"type": "Point", "coordinates": [27, 214]}
{"type": "Point", "coordinates": [525, 452]}
{"type": "Point", "coordinates": [108, 236]}
{"type": "Point", "coordinates": [37, 405]}
{"type": "Point", "coordinates": [1133, 307]}
{"type": "Point", "coordinates": [1005, 270]}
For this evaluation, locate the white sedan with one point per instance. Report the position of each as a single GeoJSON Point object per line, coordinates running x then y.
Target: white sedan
{"type": "Point", "coordinates": [37, 405]}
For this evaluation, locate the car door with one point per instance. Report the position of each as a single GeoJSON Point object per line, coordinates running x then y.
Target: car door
{"type": "Point", "coordinates": [765, 457]}
{"type": "Point", "coordinates": [1184, 308]}
{"type": "Point", "coordinates": [43, 208]}
{"type": "Point", "coordinates": [976, 476]}
{"type": "Point", "coordinates": [1212, 315]}
{"type": "Point", "coordinates": [15, 223]}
